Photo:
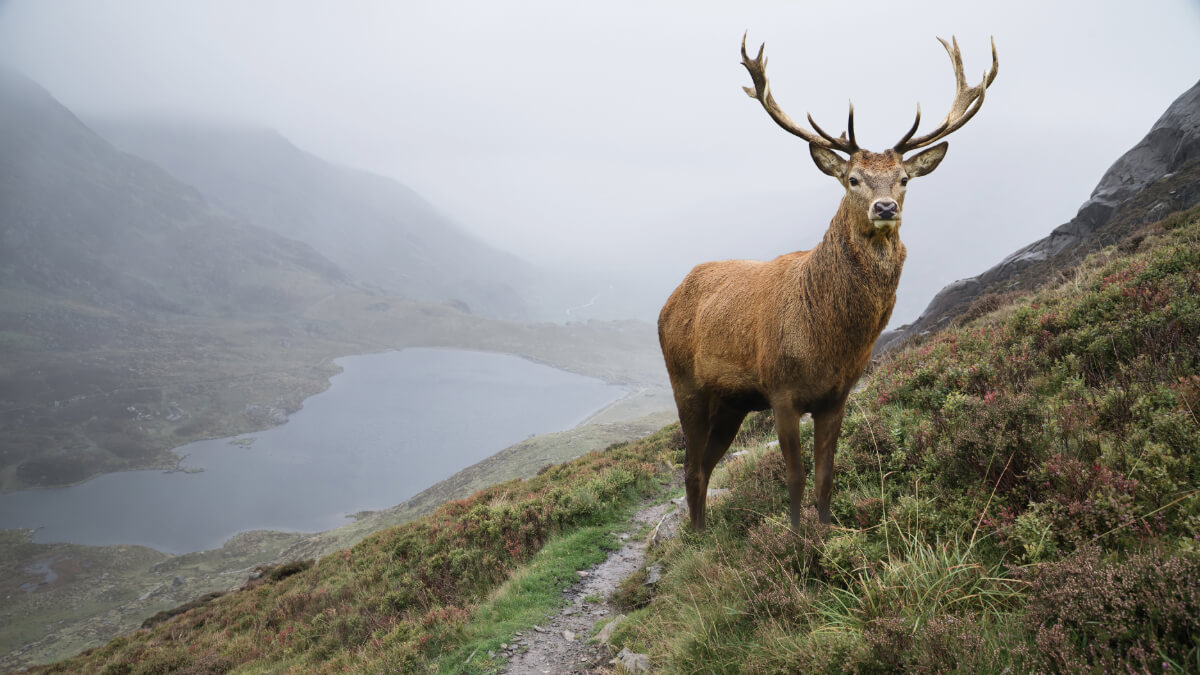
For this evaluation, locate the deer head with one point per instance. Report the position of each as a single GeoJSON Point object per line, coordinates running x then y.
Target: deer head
{"type": "Point", "coordinates": [875, 183]}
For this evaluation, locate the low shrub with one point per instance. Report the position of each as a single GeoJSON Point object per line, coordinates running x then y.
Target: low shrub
{"type": "Point", "coordinates": [1140, 613]}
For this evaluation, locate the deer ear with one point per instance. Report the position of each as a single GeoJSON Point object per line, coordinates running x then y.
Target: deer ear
{"type": "Point", "coordinates": [828, 161]}
{"type": "Point", "coordinates": [926, 161]}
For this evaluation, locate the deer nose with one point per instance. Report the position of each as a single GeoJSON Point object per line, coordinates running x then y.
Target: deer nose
{"type": "Point", "coordinates": [886, 209]}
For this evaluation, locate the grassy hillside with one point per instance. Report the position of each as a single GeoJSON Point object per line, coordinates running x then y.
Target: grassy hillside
{"type": "Point", "coordinates": [1019, 493]}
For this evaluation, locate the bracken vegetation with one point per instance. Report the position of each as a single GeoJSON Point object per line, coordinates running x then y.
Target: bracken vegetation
{"type": "Point", "coordinates": [1016, 494]}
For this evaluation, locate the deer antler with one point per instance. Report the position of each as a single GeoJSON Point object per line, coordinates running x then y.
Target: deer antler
{"type": "Point", "coordinates": [762, 91]}
{"type": "Point", "coordinates": [967, 101]}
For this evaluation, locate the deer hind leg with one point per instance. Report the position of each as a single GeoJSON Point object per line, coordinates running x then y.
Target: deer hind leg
{"type": "Point", "coordinates": [787, 424]}
{"type": "Point", "coordinates": [693, 417]}
{"type": "Point", "coordinates": [827, 426]}
{"type": "Point", "coordinates": [724, 425]}
{"type": "Point", "coordinates": [708, 430]}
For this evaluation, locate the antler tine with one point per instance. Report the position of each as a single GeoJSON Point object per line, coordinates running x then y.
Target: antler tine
{"type": "Point", "coordinates": [995, 63]}
{"type": "Point", "coordinates": [967, 100]}
{"type": "Point", "coordinates": [757, 67]}
{"type": "Point", "coordinates": [830, 141]}
{"type": "Point", "coordinates": [850, 126]}
{"type": "Point", "coordinates": [912, 130]}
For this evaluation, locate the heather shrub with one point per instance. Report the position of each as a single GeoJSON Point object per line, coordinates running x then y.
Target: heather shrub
{"type": "Point", "coordinates": [1033, 537]}
{"type": "Point", "coordinates": [757, 490]}
{"type": "Point", "coordinates": [1141, 613]}
{"type": "Point", "coordinates": [845, 556]}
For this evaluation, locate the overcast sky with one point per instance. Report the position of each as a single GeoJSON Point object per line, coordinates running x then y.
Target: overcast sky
{"type": "Point", "coordinates": [615, 135]}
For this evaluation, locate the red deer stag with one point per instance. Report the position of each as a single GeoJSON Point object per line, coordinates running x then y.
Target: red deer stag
{"type": "Point", "coordinates": [794, 334]}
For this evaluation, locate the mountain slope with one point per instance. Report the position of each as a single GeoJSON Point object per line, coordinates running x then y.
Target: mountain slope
{"type": "Point", "coordinates": [136, 317]}
{"type": "Point", "coordinates": [1159, 175]}
{"type": "Point", "coordinates": [1016, 494]}
{"type": "Point", "coordinates": [84, 222]}
{"type": "Point", "coordinates": [116, 279]}
{"type": "Point", "coordinates": [380, 231]}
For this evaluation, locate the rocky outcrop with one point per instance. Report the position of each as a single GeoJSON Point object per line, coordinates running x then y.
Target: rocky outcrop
{"type": "Point", "coordinates": [1159, 175]}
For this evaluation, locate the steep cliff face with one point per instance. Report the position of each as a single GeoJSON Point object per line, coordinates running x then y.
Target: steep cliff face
{"type": "Point", "coordinates": [1159, 175]}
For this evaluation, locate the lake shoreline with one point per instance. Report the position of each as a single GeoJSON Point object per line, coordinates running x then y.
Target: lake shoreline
{"type": "Point", "coordinates": [363, 444]}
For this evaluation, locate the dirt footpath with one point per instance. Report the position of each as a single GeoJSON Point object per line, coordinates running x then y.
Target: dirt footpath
{"type": "Point", "coordinates": [562, 645]}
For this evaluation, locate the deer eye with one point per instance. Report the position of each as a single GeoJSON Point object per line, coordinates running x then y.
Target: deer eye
{"type": "Point", "coordinates": [853, 181]}
{"type": "Point", "coordinates": [904, 181]}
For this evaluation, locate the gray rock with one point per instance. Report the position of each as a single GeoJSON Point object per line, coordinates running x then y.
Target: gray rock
{"type": "Point", "coordinates": [653, 575]}
{"type": "Point", "coordinates": [605, 633]}
{"type": "Point", "coordinates": [633, 662]}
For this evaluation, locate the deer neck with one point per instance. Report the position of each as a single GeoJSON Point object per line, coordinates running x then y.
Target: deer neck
{"type": "Point", "coordinates": [868, 260]}
{"type": "Point", "coordinates": [854, 271]}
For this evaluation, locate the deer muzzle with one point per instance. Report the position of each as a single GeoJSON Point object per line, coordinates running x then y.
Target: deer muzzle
{"type": "Point", "coordinates": [885, 209]}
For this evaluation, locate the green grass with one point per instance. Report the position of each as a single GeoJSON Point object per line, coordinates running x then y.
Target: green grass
{"type": "Point", "coordinates": [528, 597]}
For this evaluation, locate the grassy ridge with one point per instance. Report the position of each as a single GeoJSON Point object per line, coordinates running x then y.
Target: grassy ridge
{"type": "Point", "coordinates": [414, 597]}
{"type": "Point", "coordinates": [1019, 492]}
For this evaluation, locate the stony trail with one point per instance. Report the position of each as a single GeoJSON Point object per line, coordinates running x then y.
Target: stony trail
{"type": "Point", "coordinates": [561, 645]}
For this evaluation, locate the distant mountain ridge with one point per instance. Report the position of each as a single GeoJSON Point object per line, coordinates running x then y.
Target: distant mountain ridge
{"type": "Point", "coordinates": [379, 231]}
{"type": "Point", "coordinates": [80, 220]}
{"type": "Point", "coordinates": [1158, 176]}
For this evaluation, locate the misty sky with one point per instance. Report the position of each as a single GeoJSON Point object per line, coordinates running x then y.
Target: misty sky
{"type": "Point", "coordinates": [614, 136]}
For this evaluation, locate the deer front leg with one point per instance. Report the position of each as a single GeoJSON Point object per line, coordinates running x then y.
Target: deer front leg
{"type": "Point", "coordinates": [787, 423]}
{"type": "Point", "coordinates": [827, 426]}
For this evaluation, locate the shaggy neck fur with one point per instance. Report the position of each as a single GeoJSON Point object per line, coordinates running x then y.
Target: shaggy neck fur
{"type": "Point", "coordinates": [853, 274]}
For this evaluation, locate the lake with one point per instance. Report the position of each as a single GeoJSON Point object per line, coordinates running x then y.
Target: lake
{"type": "Point", "coordinates": [389, 426]}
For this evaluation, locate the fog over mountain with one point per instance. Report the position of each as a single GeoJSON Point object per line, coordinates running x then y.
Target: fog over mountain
{"type": "Point", "coordinates": [376, 229]}
{"type": "Point", "coordinates": [87, 224]}
{"type": "Point", "coordinates": [612, 140]}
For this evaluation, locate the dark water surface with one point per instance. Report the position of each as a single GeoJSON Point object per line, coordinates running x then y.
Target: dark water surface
{"type": "Point", "coordinates": [389, 426]}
